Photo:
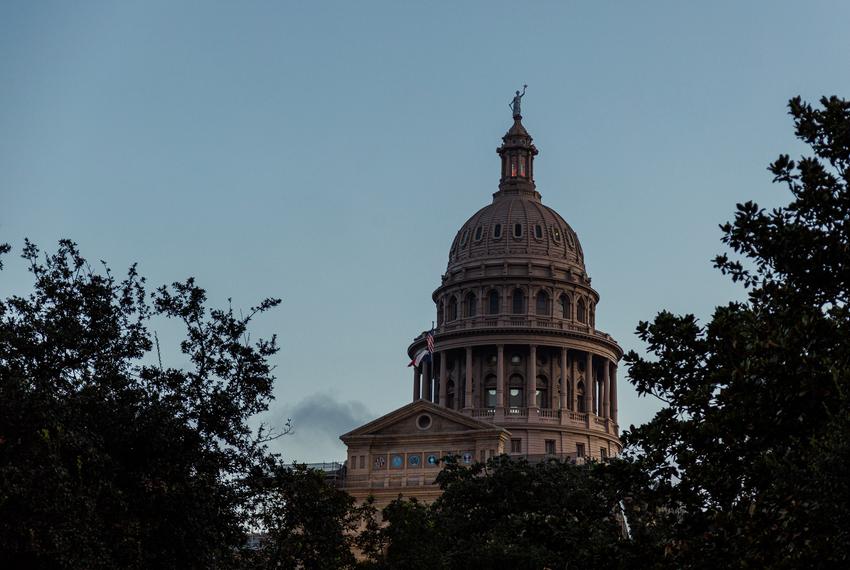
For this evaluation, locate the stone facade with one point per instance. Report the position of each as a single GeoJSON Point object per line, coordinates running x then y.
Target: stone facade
{"type": "Point", "coordinates": [518, 365]}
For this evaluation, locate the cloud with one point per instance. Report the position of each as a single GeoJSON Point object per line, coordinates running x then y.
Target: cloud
{"type": "Point", "coordinates": [317, 422]}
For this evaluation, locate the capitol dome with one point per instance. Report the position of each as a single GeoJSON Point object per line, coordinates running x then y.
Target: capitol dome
{"type": "Point", "coordinates": [516, 226]}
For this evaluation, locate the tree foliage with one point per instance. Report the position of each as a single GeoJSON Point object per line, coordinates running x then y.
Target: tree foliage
{"type": "Point", "coordinates": [108, 459]}
{"type": "Point", "coordinates": [513, 514]}
{"type": "Point", "coordinates": [749, 456]}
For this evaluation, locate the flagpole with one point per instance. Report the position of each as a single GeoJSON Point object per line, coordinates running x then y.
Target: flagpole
{"type": "Point", "coordinates": [434, 395]}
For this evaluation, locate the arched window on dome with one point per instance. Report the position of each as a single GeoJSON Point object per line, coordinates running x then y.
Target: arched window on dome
{"type": "Point", "coordinates": [479, 232]}
{"type": "Point", "coordinates": [490, 391]}
{"type": "Point", "coordinates": [452, 309]}
{"type": "Point", "coordinates": [538, 231]}
{"type": "Point", "coordinates": [582, 312]}
{"type": "Point", "coordinates": [516, 392]}
{"type": "Point", "coordinates": [522, 166]}
{"type": "Point", "coordinates": [566, 306]}
{"type": "Point", "coordinates": [470, 305]}
{"type": "Point", "coordinates": [493, 302]}
{"type": "Point", "coordinates": [513, 166]}
{"type": "Point", "coordinates": [518, 301]}
{"type": "Point", "coordinates": [542, 305]}
{"type": "Point", "coordinates": [580, 403]}
{"type": "Point", "coordinates": [497, 231]}
{"type": "Point", "coordinates": [542, 394]}
{"type": "Point", "coordinates": [450, 394]}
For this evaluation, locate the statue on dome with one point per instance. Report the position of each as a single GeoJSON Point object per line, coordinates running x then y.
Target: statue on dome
{"type": "Point", "coordinates": [515, 103]}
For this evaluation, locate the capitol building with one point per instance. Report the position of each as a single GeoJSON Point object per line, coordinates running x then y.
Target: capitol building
{"type": "Point", "coordinates": [515, 364]}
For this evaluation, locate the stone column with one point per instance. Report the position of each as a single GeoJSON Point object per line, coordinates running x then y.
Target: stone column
{"type": "Point", "coordinates": [564, 379]}
{"type": "Point", "coordinates": [606, 390]}
{"type": "Point", "coordinates": [444, 377]}
{"type": "Point", "coordinates": [500, 376]}
{"type": "Point", "coordinates": [588, 383]}
{"type": "Point", "coordinates": [614, 392]}
{"type": "Point", "coordinates": [417, 380]}
{"type": "Point", "coordinates": [574, 382]}
{"type": "Point", "coordinates": [458, 385]}
{"type": "Point", "coordinates": [531, 383]}
{"type": "Point", "coordinates": [467, 404]}
{"type": "Point", "coordinates": [427, 366]}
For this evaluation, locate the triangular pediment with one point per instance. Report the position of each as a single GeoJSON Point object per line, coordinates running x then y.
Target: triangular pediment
{"type": "Point", "coordinates": [407, 420]}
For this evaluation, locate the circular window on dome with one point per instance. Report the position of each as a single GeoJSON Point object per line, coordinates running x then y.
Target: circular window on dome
{"type": "Point", "coordinates": [423, 422]}
{"type": "Point", "coordinates": [556, 234]}
{"type": "Point", "coordinates": [538, 232]}
{"type": "Point", "coordinates": [479, 231]}
{"type": "Point", "coordinates": [497, 231]}
{"type": "Point", "coordinates": [517, 230]}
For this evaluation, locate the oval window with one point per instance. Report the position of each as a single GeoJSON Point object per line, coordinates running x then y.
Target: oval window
{"type": "Point", "coordinates": [423, 421]}
{"type": "Point", "coordinates": [497, 231]}
{"type": "Point", "coordinates": [478, 233]}
{"type": "Point", "coordinates": [517, 230]}
{"type": "Point", "coordinates": [538, 231]}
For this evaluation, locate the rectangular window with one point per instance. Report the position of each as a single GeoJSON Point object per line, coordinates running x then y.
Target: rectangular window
{"type": "Point", "coordinates": [483, 455]}
{"type": "Point", "coordinates": [362, 462]}
{"type": "Point", "coordinates": [550, 447]}
{"type": "Point", "coordinates": [580, 449]}
{"type": "Point", "coordinates": [603, 453]}
{"type": "Point", "coordinates": [516, 446]}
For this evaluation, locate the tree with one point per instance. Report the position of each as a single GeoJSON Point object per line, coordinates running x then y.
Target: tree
{"type": "Point", "coordinates": [513, 514]}
{"type": "Point", "coordinates": [108, 460]}
{"type": "Point", "coordinates": [308, 523]}
{"type": "Point", "coordinates": [748, 458]}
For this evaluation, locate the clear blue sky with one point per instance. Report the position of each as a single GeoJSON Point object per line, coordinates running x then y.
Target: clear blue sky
{"type": "Point", "coordinates": [326, 153]}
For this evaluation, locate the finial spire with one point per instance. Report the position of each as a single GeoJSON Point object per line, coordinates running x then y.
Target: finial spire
{"type": "Point", "coordinates": [516, 102]}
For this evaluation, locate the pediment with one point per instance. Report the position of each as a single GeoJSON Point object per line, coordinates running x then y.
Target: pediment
{"type": "Point", "coordinates": [406, 421]}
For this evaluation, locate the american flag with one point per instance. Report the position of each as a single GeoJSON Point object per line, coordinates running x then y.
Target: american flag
{"type": "Point", "coordinates": [430, 340]}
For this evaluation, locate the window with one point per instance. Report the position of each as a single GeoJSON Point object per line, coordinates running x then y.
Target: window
{"type": "Point", "coordinates": [493, 303]}
{"type": "Point", "coordinates": [580, 449]}
{"type": "Point", "coordinates": [519, 302]}
{"type": "Point", "coordinates": [513, 166]}
{"type": "Point", "coordinates": [542, 303]}
{"type": "Point", "coordinates": [478, 233]}
{"type": "Point", "coordinates": [522, 166]}
{"type": "Point", "coordinates": [516, 391]}
{"type": "Point", "coordinates": [490, 391]}
{"type": "Point", "coordinates": [497, 231]}
{"type": "Point", "coordinates": [464, 237]}
{"type": "Point", "coordinates": [483, 456]}
{"type": "Point", "coordinates": [517, 230]}
{"type": "Point", "coordinates": [542, 394]}
{"type": "Point", "coordinates": [471, 305]}
{"type": "Point", "coordinates": [582, 313]}
{"type": "Point", "coordinates": [452, 309]}
{"type": "Point", "coordinates": [556, 234]}
{"type": "Point", "coordinates": [516, 359]}
{"type": "Point", "coordinates": [423, 421]}
{"type": "Point", "coordinates": [603, 453]}
{"type": "Point", "coordinates": [550, 447]}
{"type": "Point", "coordinates": [516, 446]}
{"type": "Point", "coordinates": [566, 307]}
{"type": "Point", "coordinates": [362, 462]}
{"type": "Point", "coordinates": [538, 231]}
{"type": "Point", "coordinates": [580, 397]}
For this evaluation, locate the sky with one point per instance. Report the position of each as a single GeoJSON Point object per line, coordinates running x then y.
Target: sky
{"type": "Point", "coordinates": [327, 152]}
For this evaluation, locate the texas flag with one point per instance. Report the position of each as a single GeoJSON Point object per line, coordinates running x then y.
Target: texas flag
{"type": "Point", "coordinates": [423, 354]}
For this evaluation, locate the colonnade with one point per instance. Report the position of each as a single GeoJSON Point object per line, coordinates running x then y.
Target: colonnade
{"type": "Point", "coordinates": [599, 395]}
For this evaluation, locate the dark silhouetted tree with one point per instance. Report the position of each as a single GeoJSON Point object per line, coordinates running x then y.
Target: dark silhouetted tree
{"type": "Point", "coordinates": [749, 458]}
